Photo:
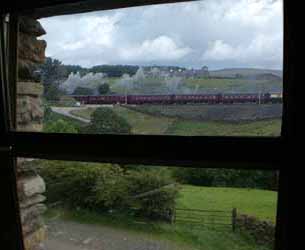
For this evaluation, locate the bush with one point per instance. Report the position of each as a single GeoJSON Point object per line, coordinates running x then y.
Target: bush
{"type": "Point", "coordinates": [83, 91]}
{"type": "Point", "coordinates": [105, 120]}
{"type": "Point", "coordinates": [74, 183]}
{"type": "Point", "coordinates": [104, 89]}
{"type": "Point", "coordinates": [227, 177]}
{"type": "Point", "coordinates": [102, 187]}
{"type": "Point", "coordinates": [59, 126]}
{"type": "Point", "coordinates": [158, 190]}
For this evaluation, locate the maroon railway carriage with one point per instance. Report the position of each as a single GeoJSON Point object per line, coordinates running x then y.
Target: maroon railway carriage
{"type": "Point", "coordinates": [150, 99]}
{"type": "Point", "coordinates": [176, 99]}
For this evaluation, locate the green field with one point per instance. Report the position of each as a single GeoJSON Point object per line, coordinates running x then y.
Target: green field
{"type": "Point", "coordinates": [255, 202]}
{"type": "Point", "coordinates": [194, 128]}
{"type": "Point", "coordinates": [199, 84]}
{"type": "Point", "coordinates": [143, 123]}
{"type": "Point", "coordinates": [259, 203]}
{"type": "Point", "coordinates": [140, 123]}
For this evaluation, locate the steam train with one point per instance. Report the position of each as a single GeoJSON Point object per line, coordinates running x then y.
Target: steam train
{"type": "Point", "coordinates": [181, 99]}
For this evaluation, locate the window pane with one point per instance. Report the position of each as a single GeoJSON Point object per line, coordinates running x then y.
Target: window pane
{"type": "Point", "coordinates": [109, 206]}
{"type": "Point", "coordinates": [194, 68]}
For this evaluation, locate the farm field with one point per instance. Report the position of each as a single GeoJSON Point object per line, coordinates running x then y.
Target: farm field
{"type": "Point", "coordinates": [203, 85]}
{"type": "Point", "coordinates": [143, 122]}
{"type": "Point", "coordinates": [260, 203]}
{"type": "Point", "coordinates": [257, 128]}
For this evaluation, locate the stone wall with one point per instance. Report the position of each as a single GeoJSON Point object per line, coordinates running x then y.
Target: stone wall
{"type": "Point", "coordinates": [29, 112]}
{"type": "Point", "coordinates": [263, 232]}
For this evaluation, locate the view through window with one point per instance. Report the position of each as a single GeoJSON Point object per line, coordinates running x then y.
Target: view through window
{"type": "Point", "coordinates": [194, 68]}
{"type": "Point", "coordinates": [190, 69]}
{"type": "Point", "coordinates": [109, 206]}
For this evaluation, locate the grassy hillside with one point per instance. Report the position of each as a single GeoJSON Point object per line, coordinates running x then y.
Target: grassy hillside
{"type": "Point", "coordinates": [257, 128]}
{"type": "Point", "coordinates": [244, 72]}
{"type": "Point", "coordinates": [150, 124]}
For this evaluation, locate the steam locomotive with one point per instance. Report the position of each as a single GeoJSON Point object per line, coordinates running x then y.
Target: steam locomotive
{"type": "Point", "coordinates": [181, 99]}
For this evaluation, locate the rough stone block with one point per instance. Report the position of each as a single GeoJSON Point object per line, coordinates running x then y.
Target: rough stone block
{"type": "Point", "coordinates": [31, 26]}
{"type": "Point", "coordinates": [29, 186]}
{"type": "Point", "coordinates": [32, 225]}
{"type": "Point", "coordinates": [33, 240]}
{"type": "Point", "coordinates": [31, 49]}
{"type": "Point", "coordinates": [35, 199]}
{"type": "Point", "coordinates": [30, 127]}
{"type": "Point", "coordinates": [31, 213]}
{"type": "Point", "coordinates": [29, 88]}
{"type": "Point", "coordinates": [26, 70]}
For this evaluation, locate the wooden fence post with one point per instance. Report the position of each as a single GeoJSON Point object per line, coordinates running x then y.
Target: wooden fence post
{"type": "Point", "coordinates": [234, 214]}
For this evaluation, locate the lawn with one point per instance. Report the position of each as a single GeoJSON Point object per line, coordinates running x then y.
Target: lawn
{"type": "Point", "coordinates": [259, 203]}
{"type": "Point", "coordinates": [256, 202]}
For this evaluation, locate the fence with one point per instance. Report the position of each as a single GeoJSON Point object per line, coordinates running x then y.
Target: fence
{"type": "Point", "coordinates": [207, 218]}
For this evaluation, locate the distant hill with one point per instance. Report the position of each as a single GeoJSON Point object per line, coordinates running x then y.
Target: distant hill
{"type": "Point", "coordinates": [245, 72]}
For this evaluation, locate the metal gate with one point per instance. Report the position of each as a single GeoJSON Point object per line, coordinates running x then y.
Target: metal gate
{"type": "Point", "coordinates": [206, 218]}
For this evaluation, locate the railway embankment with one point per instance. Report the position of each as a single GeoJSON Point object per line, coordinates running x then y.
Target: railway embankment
{"type": "Point", "coordinates": [229, 113]}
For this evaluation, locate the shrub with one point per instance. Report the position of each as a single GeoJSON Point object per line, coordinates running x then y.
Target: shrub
{"type": "Point", "coordinates": [74, 183]}
{"type": "Point", "coordinates": [158, 190]}
{"type": "Point", "coordinates": [101, 187]}
{"type": "Point", "coordinates": [105, 120]}
{"type": "Point", "coordinates": [227, 177]}
{"type": "Point", "coordinates": [104, 89]}
{"type": "Point", "coordinates": [83, 91]}
{"type": "Point", "coordinates": [59, 126]}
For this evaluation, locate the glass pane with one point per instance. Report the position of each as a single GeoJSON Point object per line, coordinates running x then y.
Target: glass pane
{"type": "Point", "coordinates": [108, 206]}
{"type": "Point", "coordinates": [194, 68]}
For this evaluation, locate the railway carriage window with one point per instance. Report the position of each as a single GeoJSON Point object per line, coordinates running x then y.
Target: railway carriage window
{"type": "Point", "coordinates": [145, 73]}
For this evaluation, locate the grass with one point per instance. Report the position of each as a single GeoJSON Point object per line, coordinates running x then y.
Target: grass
{"type": "Point", "coordinates": [140, 123]}
{"type": "Point", "coordinates": [232, 84]}
{"type": "Point", "coordinates": [52, 116]}
{"type": "Point", "coordinates": [256, 202]}
{"type": "Point", "coordinates": [257, 128]}
{"type": "Point", "coordinates": [259, 203]}
{"type": "Point", "coordinates": [203, 84]}
{"type": "Point", "coordinates": [143, 123]}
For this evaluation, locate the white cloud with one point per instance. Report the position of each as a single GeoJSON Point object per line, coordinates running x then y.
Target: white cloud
{"type": "Point", "coordinates": [160, 48]}
{"type": "Point", "coordinates": [267, 50]}
{"type": "Point", "coordinates": [217, 33]}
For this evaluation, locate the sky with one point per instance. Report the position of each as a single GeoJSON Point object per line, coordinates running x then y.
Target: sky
{"type": "Point", "coordinates": [216, 33]}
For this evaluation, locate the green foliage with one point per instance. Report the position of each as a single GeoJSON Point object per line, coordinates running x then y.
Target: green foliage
{"type": "Point", "coordinates": [59, 126]}
{"type": "Point", "coordinates": [159, 193]}
{"type": "Point", "coordinates": [114, 70]}
{"type": "Point", "coordinates": [102, 187]}
{"type": "Point", "coordinates": [83, 91]}
{"type": "Point", "coordinates": [105, 120]}
{"type": "Point", "coordinates": [52, 122]}
{"type": "Point", "coordinates": [53, 72]}
{"type": "Point", "coordinates": [227, 178]}
{"type": "Point", "coordinates": [104, 89]}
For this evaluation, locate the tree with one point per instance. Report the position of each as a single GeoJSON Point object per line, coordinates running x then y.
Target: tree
{"type": "Point", "coordinates": [104, 89]}
{"type": "Point", "coordinates": [105, 120]}
{"type": "Point", "coordinates": [53, 72]}
{"type": "Point", "coordinates": [59, 126]}
{"type": "Point", "coordinates": [83, 91]}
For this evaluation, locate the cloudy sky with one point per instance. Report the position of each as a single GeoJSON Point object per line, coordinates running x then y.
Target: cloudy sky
{"type": "Point", "coordinates": [216, 33]}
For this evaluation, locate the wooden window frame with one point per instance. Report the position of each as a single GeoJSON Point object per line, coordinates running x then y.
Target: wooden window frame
{"type": "Point", "coordinates": [267, 153]}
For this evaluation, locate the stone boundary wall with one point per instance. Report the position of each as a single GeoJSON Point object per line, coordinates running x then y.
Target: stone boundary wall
{"type": "Point", "coordinates": [263, 232]}
{"type": "Point", "coordinates": [29, 117]}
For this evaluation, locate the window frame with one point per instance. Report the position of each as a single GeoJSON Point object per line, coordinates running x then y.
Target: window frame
{"type": "Point", "coordinates": [146, 149]}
